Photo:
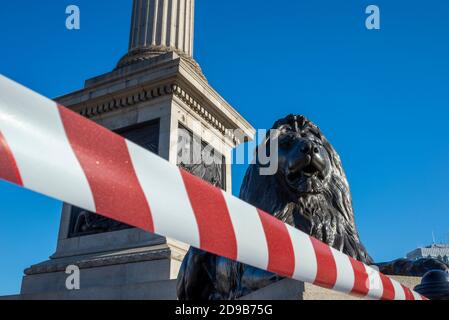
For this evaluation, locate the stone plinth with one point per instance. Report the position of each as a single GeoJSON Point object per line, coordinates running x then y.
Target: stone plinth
{"type": "Point", "coordinates": [148, 272]}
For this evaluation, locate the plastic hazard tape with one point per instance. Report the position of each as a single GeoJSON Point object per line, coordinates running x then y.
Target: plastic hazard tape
{"type": "Point", "coordinates": [49, 149]}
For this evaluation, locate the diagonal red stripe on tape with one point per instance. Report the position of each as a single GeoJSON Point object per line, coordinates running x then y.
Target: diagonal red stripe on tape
{"type": "Point", "coordinates": [8, 166]}
{"type": "Point", "coordinates": [389, 293]}
{"type": "Point", "coordinates": [326, 267]}
{"type": "Point", "coordinates": [408, 293]}
{"type": "Point", "coordinates": [281, 256]}
{"type": "Point", "coordinates": [214, 222]}
{"type": "Point", "coordinates": [361, 278]}
{"type": "Point", "coordinates": [105, 160]}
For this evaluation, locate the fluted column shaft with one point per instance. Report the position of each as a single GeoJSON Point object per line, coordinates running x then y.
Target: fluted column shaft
{"type": "Point", "coordinates": [163, 24]}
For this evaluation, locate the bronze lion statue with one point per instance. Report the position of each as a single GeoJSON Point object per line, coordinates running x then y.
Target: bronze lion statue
{"type": "Point", "coordinates": [310, 192]}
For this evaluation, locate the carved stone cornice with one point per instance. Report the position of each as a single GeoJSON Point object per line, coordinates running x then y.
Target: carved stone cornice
{"type": "Point", "coordinates": [143, 95]}
{"type": "Point", "coordinates": [124, 101]}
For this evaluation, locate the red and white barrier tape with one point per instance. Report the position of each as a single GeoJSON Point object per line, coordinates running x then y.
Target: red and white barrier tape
{"type": "Point", "coordinates": [54, 151]}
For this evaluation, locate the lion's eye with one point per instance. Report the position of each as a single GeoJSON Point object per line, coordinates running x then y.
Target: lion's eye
{"type": "Point", "coordinates": [286, 140]}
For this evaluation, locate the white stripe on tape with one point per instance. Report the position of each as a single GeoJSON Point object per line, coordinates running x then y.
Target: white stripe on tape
{"type": "Point", "coordinates": [248, 230]}
{"type": "Point", "coordinates": [375, 283]}
{"type": "Point", "coordinates": [165, 192]}
{"type": "Point", "coordinates": [40, 145]}
{"type": "Point", "coordinates": [345, 272]}
{"type": "Point", "coordinates": [416, 295]}
{"type": "Point", "coordinates": [399, 293]}
{"type": "Point", "coordinates": [305, 258]}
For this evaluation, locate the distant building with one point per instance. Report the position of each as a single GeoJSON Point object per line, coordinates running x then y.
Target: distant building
{"type": "Point", "coordinates": [437, 251]}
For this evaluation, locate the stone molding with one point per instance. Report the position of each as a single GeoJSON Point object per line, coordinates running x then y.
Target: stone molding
{"type": "Point", "coordinates": [144, 95]}
{"type": "Point", "coordinates": [143, 54]}
{"type": "Point", "coordinates": [99, 261]}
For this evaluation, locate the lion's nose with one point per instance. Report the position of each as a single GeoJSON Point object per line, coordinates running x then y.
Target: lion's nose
{"type": "Point", "coordinates": [308, 147]}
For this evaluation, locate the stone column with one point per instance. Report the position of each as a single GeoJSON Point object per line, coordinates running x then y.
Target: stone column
{"type": "Point", "coordinates": [162, 25]}
{"type": "Point", "coordinates": [159, 27]}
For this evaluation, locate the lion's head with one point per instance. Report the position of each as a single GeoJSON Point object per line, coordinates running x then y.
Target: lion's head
{"type": "Point", "coordinates": [309, 190]}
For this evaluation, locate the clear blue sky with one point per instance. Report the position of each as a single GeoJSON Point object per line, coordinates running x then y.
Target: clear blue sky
{"type": "Point", "coordinates": [381, 97]}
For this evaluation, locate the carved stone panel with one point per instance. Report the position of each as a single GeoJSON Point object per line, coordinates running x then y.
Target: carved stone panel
{"type": "Point", "coordinates": [200, 159]}
{"type": "Point", "coordinates": [83, 222]}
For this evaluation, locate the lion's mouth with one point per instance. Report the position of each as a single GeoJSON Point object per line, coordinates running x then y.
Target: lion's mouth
{"type": "Point", "coordinates": [306, 180]}
{"type": "Point", "coordinates": [308, 171]}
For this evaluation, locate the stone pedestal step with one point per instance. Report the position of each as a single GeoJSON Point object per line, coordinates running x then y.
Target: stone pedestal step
{"type": "Point", "coordinates": [157, 290]}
